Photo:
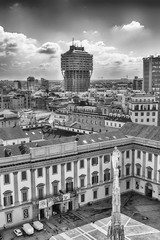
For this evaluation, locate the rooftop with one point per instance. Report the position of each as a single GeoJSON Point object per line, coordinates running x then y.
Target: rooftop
{"type": "Point", "coordinates": [142, 131]}
{"type": "Point", "coordinates": [10, 133]}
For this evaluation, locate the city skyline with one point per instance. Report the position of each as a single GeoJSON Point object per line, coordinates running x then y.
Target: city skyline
{"type": "Point", "coordinates": [118, 34]}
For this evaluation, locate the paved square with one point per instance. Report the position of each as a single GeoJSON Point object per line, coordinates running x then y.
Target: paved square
{"type": "Point", "coordinates": [134, 230]}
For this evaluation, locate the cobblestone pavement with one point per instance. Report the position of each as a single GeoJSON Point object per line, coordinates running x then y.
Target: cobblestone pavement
{"type": "Point", "coordinates": [140, 208]}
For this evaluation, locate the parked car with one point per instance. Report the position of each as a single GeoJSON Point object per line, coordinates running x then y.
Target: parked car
{"type": "Point", "coordinates": [52, 238]}
{"type": "Point", "coordinates": [28, 229]}
{"type": "Point", "coordinates": [38, 225]}
{"type": "Point", "coordinates": [18, 232]}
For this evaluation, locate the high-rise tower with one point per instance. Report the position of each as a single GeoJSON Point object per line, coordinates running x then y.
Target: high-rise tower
{"type": "Point", "coordinates": [76, 67]}
{"type": "Point", "coordinates": [151, 74]}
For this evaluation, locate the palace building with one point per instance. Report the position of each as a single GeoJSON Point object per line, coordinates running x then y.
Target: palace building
{"type": "Point", "coordinates": [40, 178]}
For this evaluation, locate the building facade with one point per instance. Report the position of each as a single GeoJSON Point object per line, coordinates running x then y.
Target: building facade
{"type": "Point", "coordinates": [64, 176]}
{"type": "Point", "coordinates": [143, 109]}
{"type": "Point", "coordinates": [137, 83]}
{"type": "Point", "coordinates": [76, 67]}
{"type": "Point", "coordinates": [151, 74]}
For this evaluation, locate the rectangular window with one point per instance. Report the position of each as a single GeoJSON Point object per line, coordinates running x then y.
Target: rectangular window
{"type": "Point", "coordinates": [95, 194]}
{"type": "Point", "coordinates": [81, 163]}
{"type": "Point", "coordinates": [69, 166]}
{"type": "Point", "coordinates": [127, 154]}
{"type": "Point", "coordinates": [106, 191]}
{"type": "Point", "coordinates": [106, 176]}
{"type": "Point", "coordinates": [40, 172]}
{"type": "Point", "coordinates": [136, 120]}
{"type": "Point", "coordinates": [142, 114]}
{"type": "Point", "coordinates": [147, 119]}
{"type": "Point", "coordinates": [94, 179]}
{"type": "Point", "coordinates": [138, 171]}
{"type": "Point", "coordinates": [69, 186]}
{"type": "Point", "coordinates": [127, 170]}
{"type": "Point", "coordinates": [136, 114]}
{"type": "Point", "coordinates": [153, 120]}
{"type": "Point", "coordinates": [24, 175]}
{"type": "Point", "coordinates": [82, 182]}
{"type": "Point", "coordinates": [6, 179]}
{"type": "Point", "coordinates": [25, 213]}
{"type": "Point", "coordinates": [40, 193]}
{"type": "Point", "coordinates": [150, 157]}
{"type": "Point", "coordinates": [82, 197]}
{"type": "Point", "coordinates": [8, 200]}
{"type": "Point", "coordinates": [106, 158]}
{"type": "Point", "coordinates": [94, 161]}
{"type": "Point", "coordinates": [55, 189]}
{"type": "Point", "coordinates": [127, 184]}
{"type": "Point", "coordinates": [153, 114]}
{"type": "Point", "coordinates": [24, 196]}
{"type": "Point", "coordinates": [149, 174]}
{"type": "Point", "coordinates": [148, 113]}
{"type": "Point", "coordinates": [54, 169]}
{"type": "Point", "coordinates": [9, 217]}
{"type": "Point", "coordinates": [138, 154]}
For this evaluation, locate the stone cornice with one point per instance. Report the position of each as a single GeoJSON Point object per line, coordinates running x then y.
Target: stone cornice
{"type": "Point", "coordinates": [99, 150]}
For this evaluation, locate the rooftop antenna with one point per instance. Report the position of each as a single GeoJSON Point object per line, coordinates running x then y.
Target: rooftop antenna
{"type": "Point", "coordinates": [73, 41]}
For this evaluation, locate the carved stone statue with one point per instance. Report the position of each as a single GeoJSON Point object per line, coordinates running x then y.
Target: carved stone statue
{"type": "Point", "coordinates": [116, 230]}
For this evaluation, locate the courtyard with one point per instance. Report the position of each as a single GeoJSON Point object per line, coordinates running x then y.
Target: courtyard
{"type": "Point", "coordinates": [140, 217]}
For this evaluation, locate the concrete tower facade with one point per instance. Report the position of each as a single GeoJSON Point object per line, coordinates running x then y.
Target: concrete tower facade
{"type": "Point", "coordinates": [151, 74]}
{"type": "Point", "coordinates": [76, 67]}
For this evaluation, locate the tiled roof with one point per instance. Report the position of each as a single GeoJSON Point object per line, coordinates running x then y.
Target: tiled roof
{"type": "Point", "coordinates": [142, 131]}
{"type": "Point", "coordinates": [33, 134]}
{"type": "Point", "coordinates": [101, 137]}
{"type": "Point", "coordinates": [10, 133]}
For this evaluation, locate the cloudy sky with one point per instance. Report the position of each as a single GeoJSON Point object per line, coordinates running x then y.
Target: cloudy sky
{"type": "Point", "coordinates": [119, 33]}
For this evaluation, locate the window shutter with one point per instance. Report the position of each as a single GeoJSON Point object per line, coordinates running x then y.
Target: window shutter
{"type": "Point", "coordinates": [92, 180]}
{"type": "Point", "coordinates": [11, 199]}
{"type": "Point", "coordinates": [5, 202]}
{"type": "Point", "coordinates": [71, 186]}
{"type": "Point", "coordinates": [104, 176]}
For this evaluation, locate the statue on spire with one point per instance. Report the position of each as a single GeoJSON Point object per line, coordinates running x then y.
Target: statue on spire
{"type": "Point", "coordinates": [116, 230]}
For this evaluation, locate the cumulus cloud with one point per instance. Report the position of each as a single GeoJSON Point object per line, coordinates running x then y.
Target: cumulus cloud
{"type": "Point", "coordinates": [20, 53]}
{"type": "Point", "coordinates": [91, 32]}
{"type": "Point", "coordinates": [133, 26]}
{"type": "Point", "coordinates": [15, 5]}
{"type": "Point", "coordinates": [15, 43]}
{"type": "Point", "coordinates": [44, 65]}
{"type": "Point", "coordinates": [20, 64]}
{"type": "Point", "coordinates": [3, 64]}
{"type": "Point", "coordinates": [49, 48]}
{"type": "Point", "coordinates": [92, 47]}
